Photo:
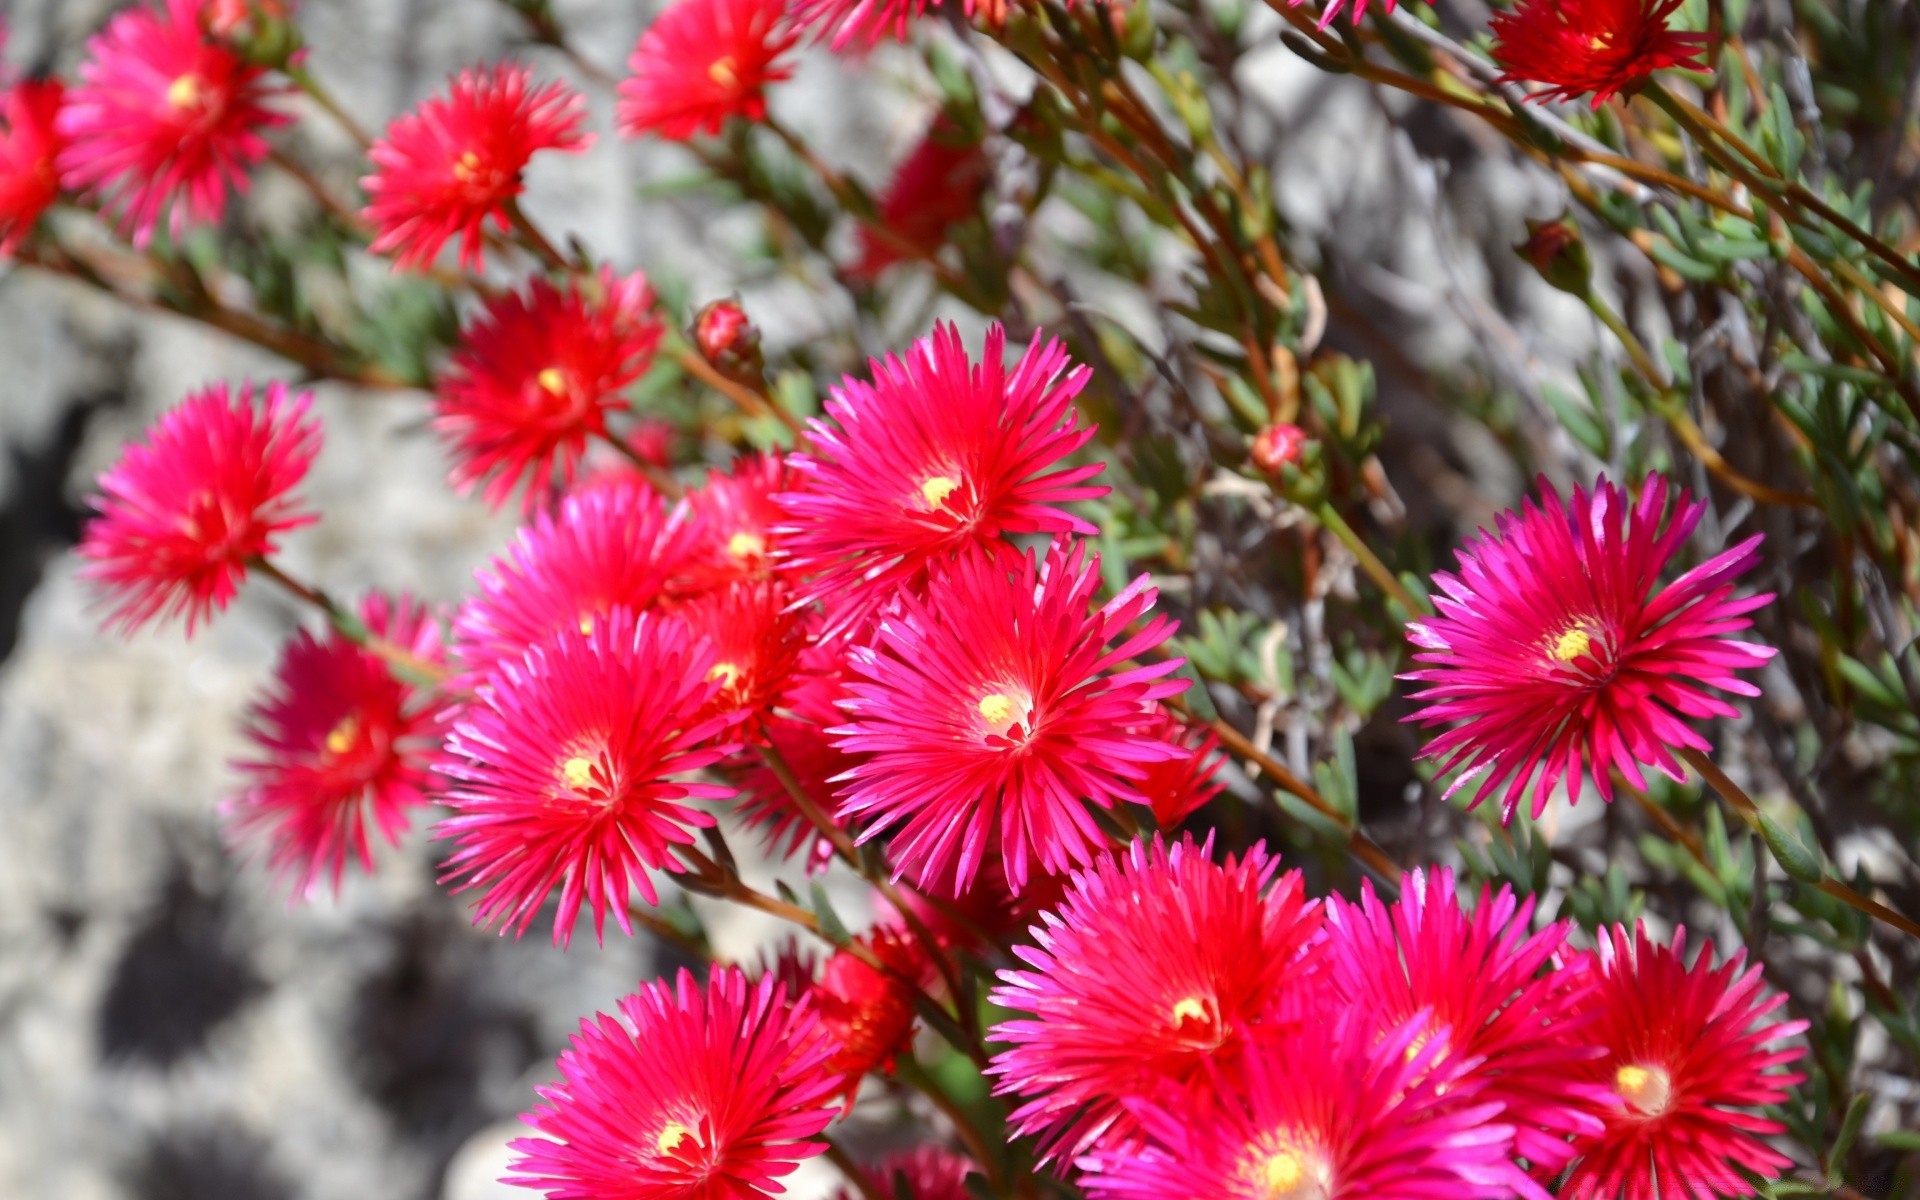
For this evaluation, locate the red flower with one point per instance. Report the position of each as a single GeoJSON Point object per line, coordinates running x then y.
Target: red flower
{"type": "Point", "coordinates": [1558, 652]}
{"type": "Point", "coordinates": [1598, 46]}
{"type": "Point", "coordinates": [1334, 6]}
{"type": "Point", "coordinates": [989, 719]}
{"type": "Point", "coordinates": [866, 21]}
{"type": "Point", "coordinates": [1489, 994]}
{"type": "Point", "coordinates": [866, 1012]}
{"type": "Point", "coordinates": [1158, 971]}
{"type": "Point", "coordinates": [1687, 1058]}
{"type": "Point", "coordinates": [456, 161]}
{"type": "Point", "coordinates": [1178, 787]}
{"type": "Point", "coordinates": [535, 377]}
{"type": "Point", "coordinates": [184, 513]}
{"type": "Point", "coordinates": [30, 142]}
{"type": "Point", "coordinates": [702, 63]}
{"type": "Point", "coordinates": [163, 118]}
{"type": "Point", "coordinates": [799, 735]}
{"type": "Point", "coordinates": [755, 637]}
{"type": "Point", "coordinates": [922, 1173]}
{"type": "Point", "coordinates": [607, 547]}
{"type": "Point", "coordinates": [345, 743]}
{"type": "Point", "coordinates": [936, 187]}
{"type": "Point", "coordinates": [936, 457]}
{"type": "Point", "coordinates": [573, 771]}
{"type": "Point", "coordinates": [735, 514]}
{"type": "Point", "coordinates": [1327, 1111]}
{"type": "Point", "coordinates": [707, 1093]}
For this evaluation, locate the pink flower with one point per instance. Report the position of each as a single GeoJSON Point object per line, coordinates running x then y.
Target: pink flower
{"type": "Point", "coordinates": [702, 63]}
{"type": "Point", "coordinates": [1558, 652]}
{"type": "Point", "coordinates": [448, 167]}
{"type": "Point", "coordinates": [536, 375]}
{"type": "Point", "coordinates": [1359, 10]}
{"type": "Point", "coordinates": [184, 513]}
{"type": "Point", "coordinates": [867, 22]}
{"type": "Point", "coordinates": [735, 514]}
{"type": "Point", "coordinates": [1489, 994]}
{"type": "Point", "coordinates": [798, 733]}
{"type": "Point", "coordinates": [937, 186]}
{"type": "Point", "coordinates": [1687, 1059]}
{"type": "Point", "coordinates": [1325, 1111]}
{"type": "Point", "coordinates": [936, 457]}
{"type": "Point", "coordinates": [164, 120]}
{"type": "Point", "coordinates": [707, 1093]}
{"type": "Point", "coordinates": [611, 546]}
{"type": "Point", "coordinates": [574, 771]}
{"type": "Point", "coordinates": [344, 744]}
{"type": "Point", "coordinates": [929, 1173]}
{"type": "Point", "coordinates": [30, 142]}
{"type": "Point", "coordinates": [990, 720]}
{"type": "Point", "coordinates": [1156, 972]}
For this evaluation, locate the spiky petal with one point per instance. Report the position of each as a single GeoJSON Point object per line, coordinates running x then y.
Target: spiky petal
{"type": "Point", "coordinates": [451, 165]}
{"type": "Point", "coordinates": [183, 514]}
{"type": "Point", "coordinates": [573, 767]}
{"type": "Point", "coordinates": [1157, 971]}
{"type": "Point", "coordinates": [1598, 46]}
{"type": "Point", "coordinates": [702, 63]}
{"type": "Point", "coordinates": [922, 1173]}
{"type": "Point", "coordinates": [992, 710]}
{"type": "Point", "coordinates": [1558, 654]}
{"type": "Point", "coordinates": [1689, 1054]}
{"type": "Point", "coordinates": [700, 1093]}
{"type": "Point", "coordinates": [344, 745]}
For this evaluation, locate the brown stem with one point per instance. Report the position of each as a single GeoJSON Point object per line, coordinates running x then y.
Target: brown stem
{"type": "Point", "coordinates": [403, 661]}
{"type": "Point", "coordinates": [534, 240]}
{"type": "Point", "coordinates": [662, 481]}
{"type": "Point", "coordinates": [1370, 562]}
{"type": "Point", "coordinates": [305, 81]}
{"type": "Point", "coordinates": [751, 402]}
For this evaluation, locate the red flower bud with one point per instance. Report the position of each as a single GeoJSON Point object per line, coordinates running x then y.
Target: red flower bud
{"type": "Point", "coordinates": [1277, 445]}
{"type": "Point", "coordinates": [722, 330]}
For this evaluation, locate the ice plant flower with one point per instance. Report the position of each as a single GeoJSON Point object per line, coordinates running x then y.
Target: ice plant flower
{"type": "Point", "coordinates": [447, 168]}
{"type": "Point", "coordinates": [866, 1013]}
{"type": "Point", "coordinates": [1178, 787]}
{"type": "Point", "coordinates": [607, 547]}
{"type": "Point", "coordinates": [702, 63]}
{"type": "Point", "coordinates": [936, 456]}
{"type": "Point", "coordinates": [922, 1173]}
{"type": "Point", "coordinates": [867, 22]}
{"type": "Point", "coordinates": [343, 744]}
{"type": "Point", "coordinates": [700, 1093]}
{"type": "Point", "coordinates": [30, 143]}
{"type": "Point", "coordinates": [1559, 654]}
{"type": "Point", "coordinates": [1326, 1111]}
{"type": "Point", "coordinates": [734, 514]}
{"type": "Point", "coordinates": [184, 513]}
{"type": "Point", "coordinates": [992, 710]}
{"type": "Point", "coordinates": [164, 121]}
{"type": "Point", "coordinates": [1157, 971]}
{"type": "Point", "coordinates": [1489, 993]}
{"type": "Point", "coordinates": [571, 767]}
{"type": "Point", "coordinates": [755, 637]}
{"type": "Point", "coordinates": [535, 376]}
{"type": "Point", "coordinates": [1598, 46]}
{"type": "Point", "coordinates": [1690, 1052]}
{"type": "Point", "coordinates": [936, 186]}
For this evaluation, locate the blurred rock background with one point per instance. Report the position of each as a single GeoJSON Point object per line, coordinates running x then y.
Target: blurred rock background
{"type": "Point", "coordinates": [171, 1026]}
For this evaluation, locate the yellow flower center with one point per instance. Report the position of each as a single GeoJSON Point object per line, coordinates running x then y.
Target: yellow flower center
{"type": "Point", "coordinates": [185, 92]}
{"type": "Point", "coordinates": [746, 545]}
{"type": "Point", "coordinates": [997, 708]}
{"type": "Point", "coordinates": [724, 72]}
{"type": "Point", "coordinates": [1189, 1009]}
{"type": "Point", "coordinates": [586, 624]}
{"type": "Point", "coordinates": [578, 772]}
{"type": "Point", "coordinates": [936, 488]}
{"type": "Point", "coordinates": [727, 673]}
{"type": "Point", "coordinates": [467, 167]}
{"type": "Point", "coordinates": [1290, 1174]}
{"type": "Point", "coordinates": [553, 381]}
{"type": "Point", "coordinates": [671, 1137]}
{"type": "Point", "coordinates": [343, 736]}
{"type": "Point", "coordinates": [1572, 644]}
{"type": "Point", "coordinates": [1647, 1090]}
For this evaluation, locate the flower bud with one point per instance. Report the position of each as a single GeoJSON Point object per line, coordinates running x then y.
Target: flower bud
{"type": "Point", "coordinates": [1277, 446]}
{"type": "Point", "coordinates": [1557, 251]}
{"type": "Point", "coordinates": [261, 31]}
{"type": "Point", "coordinates": [726, 338]}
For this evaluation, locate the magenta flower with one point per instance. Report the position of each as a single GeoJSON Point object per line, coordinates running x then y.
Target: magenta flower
{"type": "Point", "coordinates": [345, 744]}
{"type": "Point", "coordinates": [701, 1093]}
{"type": "Point", "coordinates": [994, 708]}
{"type": "Point", "coordinates": [164, 121]}
{"type": "Point", "coordinates": [1155, 973]}
{"type": "Point", "coordinates": [1688, 1055]}
{"type": "Point", "coordinates": [936, 457]}
{"type": "Point", "coordinates": [573, 768]}
{"type": "Point", "coordinates": [183, 514]}
{"type": "Point", "coordinates": [1559, 654]}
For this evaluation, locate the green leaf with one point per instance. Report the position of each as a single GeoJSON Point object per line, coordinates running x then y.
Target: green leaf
{"type": "Point", "coordinates": [834, 929]}
{"type": "Point", "coordinates": [1578, 420]}
{"type": "Point", "coordinates": [1843, 1141]}
{"type": "Point", "coordinates": [1794, 857]}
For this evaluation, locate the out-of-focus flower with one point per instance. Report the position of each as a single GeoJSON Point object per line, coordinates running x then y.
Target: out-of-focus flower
{"type": "Point", "coordinates": [994, 709]}
{"type": "Point", "coordinates": [1556, 250]}
{"type": "Point", "coordinates": [935, 187]}
{"type": "Point", "coordinates": [183, 513]}
{"type": "Point", "coordinates": [1177, 787]}
{"type": "Point", "coordinates": [614, 545]}
{"type": "Point", "coordinates": [925, 1172]}
{"type": "Point", "coordinates": [937, 456]}
{"type": "Point", "coordinates": [1560, 655]}
{"type": "Point", "coordinates": [734, 514]}
{"type": "Point", "coordinates": [869, 22]}
{"type": "Point", "coordinates": [702, 63]}
{"type": "Point", "coordinates": [344, 744]}
{"type": "Point", "coordinates": [1326, 1111]}
{"type": "Point", "coordinates": [164, 121]}
{"type": "Point", "coordinates": [448, 167]}
{"type": "Point", "coordinates": [1155, 975]}
{"type": "Point", "coordinates": [1357, 13]}
{"type": "Point", "coordinates": [798, 734]}
{"type": "Point", "coordinates": [1277, 446]}
{"type": "Point", "coordinates": [1598, 46]}
{"type": "Point", "coordinates": [573, 770]}
{"type": "Point", "coordinates": [707, 1093]}
{"type": "Point", "coordinates": [1689, 1054]}
{"type": "Point", "coordinates": [30, 144]}
{"type": "Point", "coordinates": [1489, 992]}
{"type": "Point", "coordinates": [535, 376]}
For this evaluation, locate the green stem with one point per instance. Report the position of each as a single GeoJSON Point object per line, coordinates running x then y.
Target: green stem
{"type": "Point", "coordinates": [1376, 570]}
